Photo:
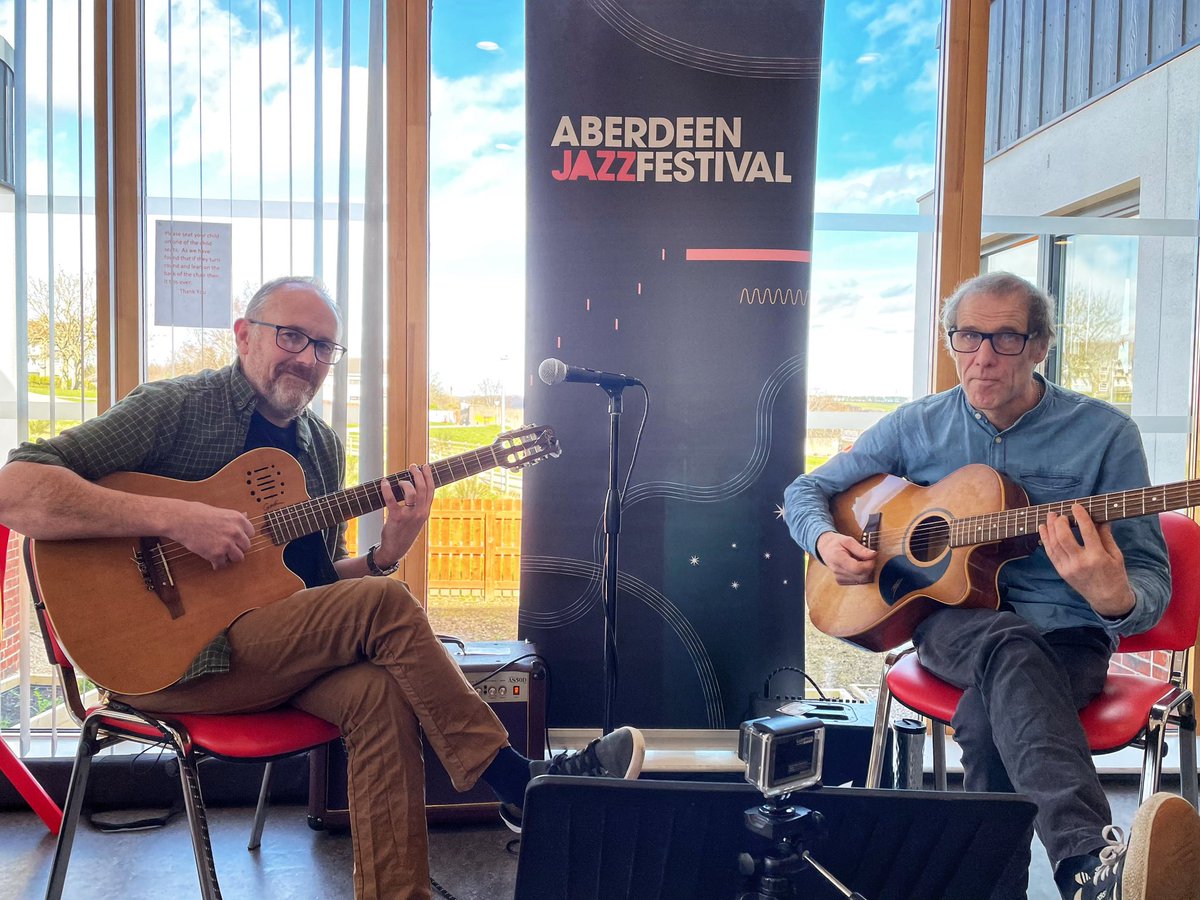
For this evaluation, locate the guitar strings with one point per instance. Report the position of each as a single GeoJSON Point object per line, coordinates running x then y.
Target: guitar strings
{"type": "Point", "coordinates": [989, 528]}
{"type": "Point", "coordinates": [317, 510]}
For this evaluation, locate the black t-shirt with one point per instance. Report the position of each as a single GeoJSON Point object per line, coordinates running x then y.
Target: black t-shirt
{"type": "Point", "coordinates": [305, 556]}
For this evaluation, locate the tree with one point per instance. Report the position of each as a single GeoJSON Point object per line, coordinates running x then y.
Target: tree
{"type": "Point", "coordinates": [489, 391]}
{"type": "Point", "coordinates": [1090, 340]}
{"type": "Point", "coordinates": [72, 327]}
{"type": "Point", "coordinates": [203, 348]}
{"type": "Point", "coordinates": [439, 397]}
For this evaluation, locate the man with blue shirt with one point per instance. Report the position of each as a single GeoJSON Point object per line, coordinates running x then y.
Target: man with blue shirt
{"type": "Point", "coordinates": [1028, 668]}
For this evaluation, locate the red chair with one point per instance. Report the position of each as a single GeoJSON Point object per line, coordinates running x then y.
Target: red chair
{"type": "Point", "coordinates": [1132, 710]}
{"type": "Point", "coordinates": [250, 737]}
{"type": "Point", "coordinates": [12, 767]}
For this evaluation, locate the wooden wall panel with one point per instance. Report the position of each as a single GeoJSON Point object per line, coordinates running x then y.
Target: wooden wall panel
{"type": "Point", "coordinates": [1010, 72]}
{"type": "Point", "coordinates": [1054, 66]}
{"type": "Point", "coordinates": [1166, 27]}
{"type": "Point", "coordinates": [995, 73]}
{"type": "Point", "coordinates": [1105, 28]}
{"type": "Point", "coordinates": [1079, 53]}
{"type": "Point", "coordinates": [1191, 21]}
{"type": "Point", "coordinates": [1033, 30]}
{"type": "Point", "coordinates": [1134, 42]}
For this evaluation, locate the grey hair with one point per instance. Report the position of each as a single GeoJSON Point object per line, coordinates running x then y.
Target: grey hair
{"type": "Point", "coordinates": [1004, 284]}
{"type": "Point", "coordinates": [313, 284]}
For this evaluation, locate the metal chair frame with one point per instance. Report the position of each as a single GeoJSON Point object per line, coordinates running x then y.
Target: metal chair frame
{"type": "Point", "coordinates": [108, 724]}
{"type": "Point", "coordinates": [1175, 706]}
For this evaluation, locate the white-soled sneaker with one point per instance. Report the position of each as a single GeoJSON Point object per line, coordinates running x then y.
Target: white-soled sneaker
{"type": "Point", "coordinates": [618, 754]}
{"type": "Point", "coordinates": [1160, 861]}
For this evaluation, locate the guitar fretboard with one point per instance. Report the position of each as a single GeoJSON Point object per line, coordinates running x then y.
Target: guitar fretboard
{"type": "Point", "coordinates": [295, 521]}
{"type": "Point", "coordinates": [1011, 523]}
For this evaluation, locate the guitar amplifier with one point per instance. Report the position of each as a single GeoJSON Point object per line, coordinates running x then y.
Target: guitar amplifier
{"type": "Point", "coordinates": [505, 674]}
{"type": "Point", "coordinates": [849, 727]}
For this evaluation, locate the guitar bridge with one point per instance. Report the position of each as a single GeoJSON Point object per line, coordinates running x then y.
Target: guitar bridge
{"type": "Point", "coordinates": [870, 535]}
{"type": "Point", "coordinates": [155, 568]}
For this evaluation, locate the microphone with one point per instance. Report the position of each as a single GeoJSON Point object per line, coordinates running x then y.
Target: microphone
{"type": "Point", "coordinates": [555, 371]}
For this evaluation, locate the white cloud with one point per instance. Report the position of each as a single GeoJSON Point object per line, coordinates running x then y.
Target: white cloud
{"type": "Point", "coordinates": [832, 76]}
{"type": "Point", "coordinates": [469, 116]}
{"type": "Point", "coordinates": [910, 23]}
{"type": "Point", "coordinates": [926, 84]}
{"type": "Point", "coordinates": [477, 230]}
{"type": "Point", "coordinates": [885, 189]}
{"type": "Point", "coordinates": [917, 140]}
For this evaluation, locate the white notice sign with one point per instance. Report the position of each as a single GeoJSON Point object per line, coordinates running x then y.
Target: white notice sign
{"type": "Point", "coordinates": [192, 282]}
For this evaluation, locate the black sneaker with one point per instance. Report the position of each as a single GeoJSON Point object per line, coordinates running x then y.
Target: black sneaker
{"type": "Point", "coordinates": [511, 815]}
{"type": "Point", "coordinates": [1159, 862]}
{"type": "Point", "coordinates": [616, 755]}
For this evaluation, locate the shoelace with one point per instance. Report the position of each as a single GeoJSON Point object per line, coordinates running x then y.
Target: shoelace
{"type": "Point", "coordinates": [1112, 854]}
{"type": "Point", "coordinates": [581, 763]}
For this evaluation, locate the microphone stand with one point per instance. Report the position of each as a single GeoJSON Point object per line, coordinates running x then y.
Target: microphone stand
{"type": "Point", "coordinates": [612, 534]}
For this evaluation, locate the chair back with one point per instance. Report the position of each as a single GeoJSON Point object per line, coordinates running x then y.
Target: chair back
{"type": "Point", "coordinates": [3, 566]}
{"type": "Point", "coordinates": [54, 651]}
{"type": "Point", "coordinates": [1176, 630]}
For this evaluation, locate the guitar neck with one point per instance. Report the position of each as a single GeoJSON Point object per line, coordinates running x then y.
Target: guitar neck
{"type": "Point", "coordinates": [295, 521]}
{"type": "Point", "coordinates": [1011, 523]}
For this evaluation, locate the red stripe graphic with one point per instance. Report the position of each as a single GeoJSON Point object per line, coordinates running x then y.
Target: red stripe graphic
{"type": "Point", "coordinates": [746, 254]}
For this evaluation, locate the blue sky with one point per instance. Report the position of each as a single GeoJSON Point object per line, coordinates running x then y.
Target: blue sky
{"type": "Point", "coordinates": [875, 155]}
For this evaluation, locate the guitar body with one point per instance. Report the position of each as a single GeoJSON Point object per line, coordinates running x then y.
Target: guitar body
{"type": "Point", "coordinates": [916, 569]}
{"type": "Point", "coordinates": [132, 613]}
{"type": "Point", "coordinates": [107, 617]}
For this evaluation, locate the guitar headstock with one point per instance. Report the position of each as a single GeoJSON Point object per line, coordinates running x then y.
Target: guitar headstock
{"type": "Point", "coordinates": [526, 446]}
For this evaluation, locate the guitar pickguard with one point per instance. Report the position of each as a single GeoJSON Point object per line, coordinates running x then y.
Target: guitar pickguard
{"type": "Point", "coordinates": [899, 577]}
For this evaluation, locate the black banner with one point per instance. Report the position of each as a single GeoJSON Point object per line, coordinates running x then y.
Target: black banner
{"type": "Point", "coordinates": [670, 166]}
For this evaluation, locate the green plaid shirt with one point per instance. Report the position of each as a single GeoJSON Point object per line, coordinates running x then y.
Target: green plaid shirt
{"type": "Point", "coordinates": [188, 428]}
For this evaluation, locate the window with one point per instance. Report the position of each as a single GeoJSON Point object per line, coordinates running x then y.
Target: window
{"type": "Point", "coordinates": [1098, 301]}
{"type": "Point", "coordinates": [476, 308]}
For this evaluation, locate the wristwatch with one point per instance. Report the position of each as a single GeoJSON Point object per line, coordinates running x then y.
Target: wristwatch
{"type": "Point", "coordinates": [374, 567]}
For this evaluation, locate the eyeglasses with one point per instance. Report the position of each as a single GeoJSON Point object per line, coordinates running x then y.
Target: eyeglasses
{"type": "Point", "coordinates": [294, 341]}
{"type": "Point", "coordinates": [1006, 343]}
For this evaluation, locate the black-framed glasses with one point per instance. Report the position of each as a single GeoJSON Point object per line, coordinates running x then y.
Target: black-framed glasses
{"type": "Point", "coordinates": [293, 340]}
{"type": "Point", "coordinates": [1006, 343]}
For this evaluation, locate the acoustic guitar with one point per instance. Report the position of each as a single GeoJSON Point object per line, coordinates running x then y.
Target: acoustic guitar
{"type": "Point", "coordinates": [133, 613]}
{"type": "Point", "coordinates": [943, 545]}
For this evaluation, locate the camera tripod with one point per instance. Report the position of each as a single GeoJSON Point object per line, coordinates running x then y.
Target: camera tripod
{"type": "Point", "coordinates": [791, 827]}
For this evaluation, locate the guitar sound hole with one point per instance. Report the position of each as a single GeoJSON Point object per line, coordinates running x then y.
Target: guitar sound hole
{"type": "Point", "coordinates": [929, 539]}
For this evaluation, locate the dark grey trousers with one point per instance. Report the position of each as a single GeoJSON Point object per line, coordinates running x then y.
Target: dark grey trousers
{"type": "Point", "coordinates": [1018, 724]}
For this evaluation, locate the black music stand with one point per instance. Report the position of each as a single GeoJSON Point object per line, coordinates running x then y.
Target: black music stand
{"type": "Point", "coordinates": [607, 839]}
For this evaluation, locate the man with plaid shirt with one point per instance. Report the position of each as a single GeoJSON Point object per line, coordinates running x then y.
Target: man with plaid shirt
{"type": "Point", "coordinates": [352, 649]}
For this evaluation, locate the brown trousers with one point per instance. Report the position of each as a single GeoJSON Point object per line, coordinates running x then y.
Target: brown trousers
{"type": "Point", "coordinates": [360, 653]}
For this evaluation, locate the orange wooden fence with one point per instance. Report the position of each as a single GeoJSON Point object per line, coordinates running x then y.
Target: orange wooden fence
{"type": "Point", "coordinates": [475, 546]}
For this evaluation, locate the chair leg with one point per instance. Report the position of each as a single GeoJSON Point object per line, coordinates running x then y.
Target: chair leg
{"type": "Point", "coordinates": [938, 733]}
{"type": "Point", "coordinates": [1187, 751]}
{"type": "Point", "coordinates": [883, 709]}
{"type": "Point", "coordinates": [193, 802]}
{"type": "Point", "coordinates": [260, 813]}
{"type": "Point", "coordinates": [1156, 735]}
{"type": "Point", "coordinates": [88, 745]}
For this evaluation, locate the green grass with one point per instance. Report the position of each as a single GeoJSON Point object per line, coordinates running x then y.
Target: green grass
{"type": "Point", "coordinates": [476, 435]}
{"type": "Point", "coordinates": [872, 405]}
{"type": "Point", "coordinates": [62, 393]}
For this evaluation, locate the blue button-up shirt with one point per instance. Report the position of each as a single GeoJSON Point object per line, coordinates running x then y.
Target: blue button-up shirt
{"type": "Point", "coordinates": [1068, 446]}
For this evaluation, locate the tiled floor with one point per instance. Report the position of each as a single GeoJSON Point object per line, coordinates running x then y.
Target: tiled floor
{"type": "Point", "coordinates": [294, 862]}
